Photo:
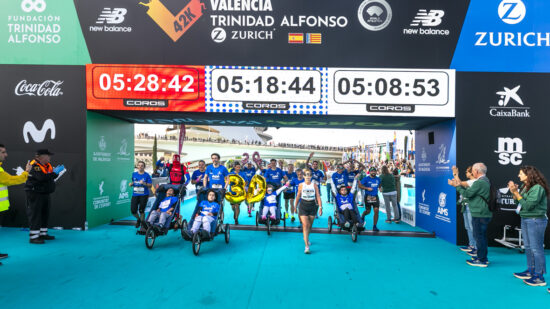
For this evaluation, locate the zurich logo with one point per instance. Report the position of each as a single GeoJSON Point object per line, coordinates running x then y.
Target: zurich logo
{"type": "Point", "coordinates": [512, 11]}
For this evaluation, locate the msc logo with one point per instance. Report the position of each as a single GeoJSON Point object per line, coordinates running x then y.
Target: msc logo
{"type": "Point", "coordinates": [175, 26]}
{"type": "Point", "coordinates": [38, 136]}
{"type": "Point", "coordinates": [512, 11]}
{"type": "Point", "coordinates": [36, 5]}
{"type": "Point", "coordinates": [428, 19]}
{"type": "Point", "coordinates": [510, 150]}
{"type": "Point", "coordinates": [114, 16]}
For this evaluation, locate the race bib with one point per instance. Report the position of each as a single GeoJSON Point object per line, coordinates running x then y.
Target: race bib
{"type": "Point", "coordinates": [139, 190]}
{"type": "Point", "coordinates": [371, 198]}
{"type": "Point", "coordinates": [216, 186]}
{"type": "Point", "coordinates": [164, 205]}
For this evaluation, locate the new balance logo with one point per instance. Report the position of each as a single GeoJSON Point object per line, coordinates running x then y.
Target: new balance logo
{"type": "Point", "coordinates": [38, 136]}
{"type": "Point", "coordinates": [427, 18]}
{"type": "Point", "coordinates": [114, 16]}
{"type": "Point", "coordinates": [510, 150]}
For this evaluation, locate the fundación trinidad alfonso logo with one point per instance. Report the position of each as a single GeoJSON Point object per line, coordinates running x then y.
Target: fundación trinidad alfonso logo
{"type": "Point", "coordinates": [175, 26]}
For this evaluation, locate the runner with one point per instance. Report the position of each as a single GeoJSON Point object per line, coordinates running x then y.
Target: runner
{"type": "Point", "coordinates": [308, 193]}
{"type": "Point", "coordinates": [339, 178]}
{"type": "Point", "coordinates": [141, 183]}
{"type": "Point", "coordinates": [317, 175]}
{"type": "Point", "coordinates": [352, 173]}
{"type": "Point", "coordinates": [249, 171]}
{"type": "Point", "coordinates": [237, 207]}
{"type": "Point", "coordinates": [274, 176]}
{"type": "Point", "coordinates": [198, 176]}
{"type": "Point", "coordinates": [294, 183]}
{"type": "Point", "coordinates": [215, 176]}
{"type": "Point", "coordinates": [289, 194]}
{"type": "Point", "coordinates": [371, 184]}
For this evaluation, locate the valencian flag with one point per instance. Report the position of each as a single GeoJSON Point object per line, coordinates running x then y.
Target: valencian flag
{"type": "Point", "coordinates": [314, 38]}
{"type": "Point", "coordinates": [296, 38]}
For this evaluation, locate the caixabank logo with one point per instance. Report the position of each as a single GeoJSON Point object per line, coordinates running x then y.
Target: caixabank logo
{"type": "Point", "coordinates": [505, 35]}
{"type": "Point", "coordinates": [175, 26]}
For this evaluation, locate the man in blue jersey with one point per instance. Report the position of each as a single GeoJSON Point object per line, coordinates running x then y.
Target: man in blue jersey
{"type": "Point", "coordinates": [198, 176]}
{"type": "Point", "coordinates": [141, 183]}
{"type": "Point", "coordinates": [215, 176]}
{"type": "Point", "coordinates": [339, 178]}
{"type": "Point", "coordinates": [317, 175]}
{"type": "Point", "coordinates": [294, 183]}
{"type": "Point", "coordinates": [273, 175]}
{"type": "Point", "coordinates": [249, 171]}
{"type": "Point", "coordinates": [371, 184]}
{"type": "Point", "coordinates": [237, 206]}
{"type": "Point", "coordinates": [289, 194]}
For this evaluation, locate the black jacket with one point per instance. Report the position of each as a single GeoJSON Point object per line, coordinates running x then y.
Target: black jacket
{"type": "Point", "coordinates": [39, 181]}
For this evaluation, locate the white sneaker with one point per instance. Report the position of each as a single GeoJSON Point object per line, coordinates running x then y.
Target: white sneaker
{"type": "Point", "coordinates": [347, 225]}
{"type": "Point", "coordinates": [307, 250]}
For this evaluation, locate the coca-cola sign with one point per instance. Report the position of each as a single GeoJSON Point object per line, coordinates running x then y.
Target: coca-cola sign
{"type": "Point", "coordinates": [47, 88]}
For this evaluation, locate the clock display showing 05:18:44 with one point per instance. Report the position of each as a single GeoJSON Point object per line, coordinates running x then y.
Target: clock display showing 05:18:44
{"type": "Point", "coordinates": [269, 84]}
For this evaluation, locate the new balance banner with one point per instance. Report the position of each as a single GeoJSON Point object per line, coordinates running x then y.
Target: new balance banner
{"type": "Point", "coordinates": [44, 107]}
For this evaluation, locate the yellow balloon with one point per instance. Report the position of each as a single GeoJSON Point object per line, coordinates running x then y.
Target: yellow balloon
{"type": "Point", "coordinates": [256, 189]}
{"type": "Point", "coordinates": [237, 193]}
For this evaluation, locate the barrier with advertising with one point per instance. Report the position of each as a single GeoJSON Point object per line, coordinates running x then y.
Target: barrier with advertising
{"type": "Point", "coordinates": [407, 201]}
{"type": "Point", "coordinates": [44, 107]}
{"type": "Point", "coordinates": [110, 163]}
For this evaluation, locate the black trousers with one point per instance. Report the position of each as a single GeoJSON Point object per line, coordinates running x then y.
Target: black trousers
{"type": "Point", "coordinates": [38, 212]}
{"type": "Point", "coordinates": [350, 216]}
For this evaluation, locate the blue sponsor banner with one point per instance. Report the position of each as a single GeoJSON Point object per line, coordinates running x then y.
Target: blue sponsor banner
{"type": "Point", "coordinates": [435, 199]}
{"type": "Point", "coordinates": [505, 36]}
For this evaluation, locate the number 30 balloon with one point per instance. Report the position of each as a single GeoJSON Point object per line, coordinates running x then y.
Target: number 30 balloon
{"type": "Point", "coordinates": [237, 193]}
{"type": "Point", "coordinates": [256, 189]}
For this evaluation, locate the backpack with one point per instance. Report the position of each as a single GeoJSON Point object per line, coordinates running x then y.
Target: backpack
{"type": "Point", "coordinates": [493, 197]}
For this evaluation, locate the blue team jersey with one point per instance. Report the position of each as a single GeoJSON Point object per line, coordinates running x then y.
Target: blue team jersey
{"type": "Point", "coordinates": [196, 174]}
{"type": "Point", "coordinates": [373, 183]}
{"type": "Point", "coordinates": [274, 176]}
{"type": "Point", "coordinates": [167, 203]}
{"type": "Point", "coordinates": [294, 183]}
{"type": "Point", "coordinates": [270, 200]}
{"type": "Point", "coordinates": [351, 177]}
{"type": "Point", "coordinates": [241, 173]}
{"type": "Point", "coordinates": [139, 189]}
{"type": "Point", "coordinates": [344, 201]}
{"type": "Point", "coordinates": [340, 179]}
{"type": "Point", "coordinates": [249, 173]}
{"type": "Point", "coordinates": [216, 176]}
{"type": "Point", "coordinates": [317, 176]}
{"type": "Point", "coordinates": [290, 176]}
{"type": "Point", "coordinates": [207, 207]}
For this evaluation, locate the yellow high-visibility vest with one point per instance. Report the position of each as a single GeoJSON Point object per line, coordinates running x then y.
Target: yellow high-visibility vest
{"type": "Point", "coordinates": [4, 200]}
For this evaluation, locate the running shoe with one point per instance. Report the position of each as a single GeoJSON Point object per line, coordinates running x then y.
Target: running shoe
{"type": "Point", "coordinates": [388, 221]}
{"type": "Point", "coordinates": [347, 225]}
{"type": "Point", "coordinates": [536, 280]}
{"type": "Point", "coordinates": [472, 252]}
{"type": "Point", "coordinates": [3, 255]}
{"type": "Point", "coordinates": [47, 237]}
{"type": "Point", "coordinates": [397, 221]}
{"type": "Point", "coordinates": [375, 229]}
{"type": "Point", "coordinates": [523, 275]}
{"type": "Point", "coordinates": [475, 262]}
{"type": "Point", "coordinates": [264, 218]}
{"type": "Point", "coordinates": [292, 219]}
{"type": "Point", "coordinates": [286, 215]}
{"type": "Point", "coordinates": [306, 251]}
{"type": "Point", "coordinates": [273, 218]}
{"type": "Point", "coordinates": [466, 248]}
{"type": "Point", "coordinates": [236, 221]}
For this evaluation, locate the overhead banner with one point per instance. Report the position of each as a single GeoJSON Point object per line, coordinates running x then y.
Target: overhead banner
{"type": "Point", "coordinates": [360, 33]}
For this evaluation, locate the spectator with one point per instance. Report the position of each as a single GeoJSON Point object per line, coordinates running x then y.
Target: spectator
{"type": "Point", "coordinates": [389, 192]}
{"type": "Point", "coordinates": [465, 210]}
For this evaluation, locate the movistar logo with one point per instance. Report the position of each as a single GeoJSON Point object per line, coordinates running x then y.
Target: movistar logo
{"type": "Point", "coordinates": [38, 136]}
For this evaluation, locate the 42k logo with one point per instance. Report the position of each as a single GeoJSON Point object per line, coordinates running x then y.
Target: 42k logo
{"type": "Point", "coordinates": [175, 26]}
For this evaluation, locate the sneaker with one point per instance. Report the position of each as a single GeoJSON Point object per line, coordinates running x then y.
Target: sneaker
{"type": "Point", "coordinates": [3, 255]}
{"type": "Point", "coordinates": [388, 221]}
{"type": "Point", "coordinates": [292, 219]}
{"type": "Point", "coordinates": [306, 251]}
{"type": "Point", "coordinates": [37, 240]}
{"type": "Point", "coordinates": [347, 225]}
{"type": "Point", "coordinates": [286, 215]}
{"type": "Point", "coordinates": [477, 263]}
{"type": "Point", "coordinates": [536, 280]}
{"type": "Point", "coordinates": [466, 248]}
{"type": "Point", "coordinates": [273, 218]}
{"type": "Point", "coordinates": [472, 252]}
{"type": "Point", "coordinates": [138, 223]}
{"type": "Point", "coordinates": [47, 237]}
{"type": "Point", "coordinates": [397, 221]}
{"type": "Point", "coordinates": [236, 221]}
{"type": "Point", "coordinates": [523, 275]}
{"type": "Point", "coordinates": [264, 218]}
{"type": "Point", "coordinates": [375, 229]}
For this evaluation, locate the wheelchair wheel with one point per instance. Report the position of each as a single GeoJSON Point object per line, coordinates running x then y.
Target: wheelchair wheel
{"type": "Point", "coordinates": [184, 226]}
{"type": "Point", "coordinates": [150, 237]}
{"type": "Point", "coordinates": [354, 233]}
{"type": "Point", "coordinates": [196, 243]}
{"type": "Point", "coordinates": [257, 219]}
{"type": "Point", "coordinates": [268, 223]}
{"type": "Point", "coordinates": [227, 233]}
{"type": "Point", "coordinates": [329, 224]}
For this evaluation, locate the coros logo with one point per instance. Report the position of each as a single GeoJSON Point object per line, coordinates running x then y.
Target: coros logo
{"type": "Point", "coordinates": [374, 15]}
{"type": "Point", "coordinates": [38, 136]}
{"type": "Point", "coordinates": [512, 11]}
{"type": "Point", "coordinates": [36, 5]}
{"type": "Point", "coordinates": [175, 26]}
{"type": "Point", "coordinates": [510, 150]}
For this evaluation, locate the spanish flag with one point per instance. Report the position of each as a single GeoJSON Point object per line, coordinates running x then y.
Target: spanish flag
{"type": "Point", "coordinates": [314, 38]}
{"type": "Point", "coordinates": [296, 38]}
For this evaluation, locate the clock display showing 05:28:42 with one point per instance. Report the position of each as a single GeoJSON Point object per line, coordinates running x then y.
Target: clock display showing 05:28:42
{"type": "Point", "coordinates": [140, 82]}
